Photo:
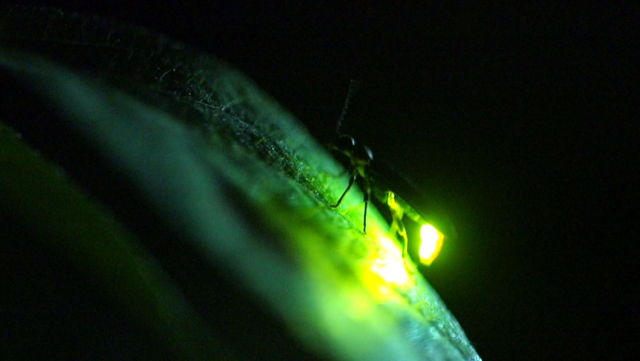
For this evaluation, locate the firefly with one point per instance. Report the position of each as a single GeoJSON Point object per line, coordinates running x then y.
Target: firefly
{"type": "Point", "coordinates": [394, 190]}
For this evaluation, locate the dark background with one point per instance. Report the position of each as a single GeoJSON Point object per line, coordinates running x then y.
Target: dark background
{"type": "Point", "coordinates": [522, 120]}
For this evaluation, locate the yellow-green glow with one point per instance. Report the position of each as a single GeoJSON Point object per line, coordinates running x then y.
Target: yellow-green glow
{"type": "Point", "coordinates": [391, 270]}
{"type": "Point", "coordinates": [386, 265]}
{"type": "Point", "coordinates": [431, 244]}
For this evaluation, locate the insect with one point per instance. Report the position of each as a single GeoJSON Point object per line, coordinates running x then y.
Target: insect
{"type": "Point", "coordinates": [390, 188]}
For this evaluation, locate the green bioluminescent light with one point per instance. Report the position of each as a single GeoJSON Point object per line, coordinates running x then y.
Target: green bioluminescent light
{"type": "Point", "coordinates": [431, 244]}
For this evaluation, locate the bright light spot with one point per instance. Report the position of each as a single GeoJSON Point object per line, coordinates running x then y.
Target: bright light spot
{"type": "Point", "coordinates": [390, 270]}
{"type": "Point", "coordinates": [431, 244]}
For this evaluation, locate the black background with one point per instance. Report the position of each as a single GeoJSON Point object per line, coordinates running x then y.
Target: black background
{"type": "Point", "coordinates": [522, 119]}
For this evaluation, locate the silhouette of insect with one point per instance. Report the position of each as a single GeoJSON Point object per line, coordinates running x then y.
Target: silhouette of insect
{"type": "Point", "coordinates": [392, 189]}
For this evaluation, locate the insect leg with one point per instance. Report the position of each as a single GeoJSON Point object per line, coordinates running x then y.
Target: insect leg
{"type": "Point", "coordinates": [397, 226]}
{"type": "Point", "coordinates": [354, 174]}
{"type": "Point", "coordinates": [403, 233]}
{"type": "Point", "coordinates": [367, 198]}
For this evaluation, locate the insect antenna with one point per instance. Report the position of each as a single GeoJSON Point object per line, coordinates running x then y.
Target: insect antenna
{"type": "Point", "coordinates": [353, 87]}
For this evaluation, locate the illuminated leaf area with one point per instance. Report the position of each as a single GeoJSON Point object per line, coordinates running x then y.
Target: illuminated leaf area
{"type": "Point", "coordinates": [388, 264]}
{"type": "Point", "coordinates": [383, 266]}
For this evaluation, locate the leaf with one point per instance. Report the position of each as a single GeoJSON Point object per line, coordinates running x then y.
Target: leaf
{"type": "Point", "coordinates": [222, 198]}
